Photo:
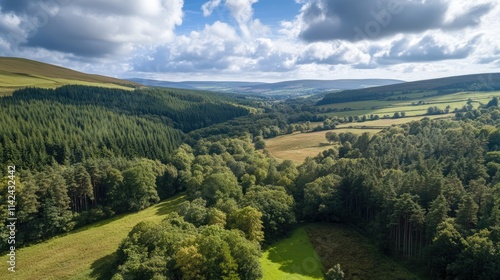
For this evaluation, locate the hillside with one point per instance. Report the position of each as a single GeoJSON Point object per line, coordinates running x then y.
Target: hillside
{"type": "Point", "coordinates": [424, 88]}
{"type": "Point", "coordinates": [86, 253]}
{"type": "Point", "coordinates": [18, 73]}
{"type": "Point", "coordinates": [276, 90]}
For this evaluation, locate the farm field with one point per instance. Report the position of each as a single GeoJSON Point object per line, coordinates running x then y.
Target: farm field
{"type": "Point", "coordinates": [298, 146]}
{"type": "Point", "coordinates": [357, 256]}
{"type": "Point", "coordinates": [85, 253]}
{"type": "Point", "coordinates": [292, 258]}
{"type": "Point", "coordinates": [390, 122]}
{"type": "Point", "coordinates": [385, 107]}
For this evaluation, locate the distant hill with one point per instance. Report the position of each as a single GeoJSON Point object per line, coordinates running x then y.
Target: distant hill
{"type": "Point", "coordinates": [18, 73]}
{"type": "Point", "coordinates": [203, 85]}
{"type": "Point", "coordinates": [433, 87]}
{"type": "Point", "coordinates": [280, 89]}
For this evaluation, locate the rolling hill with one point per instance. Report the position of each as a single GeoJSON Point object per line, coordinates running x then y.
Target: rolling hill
{"type": "Point", "coordinates": [16, 73]}
{"type": "Point", "coordinates": [404, 91]}
{"type": "Point", "coordinates": [277, 90]}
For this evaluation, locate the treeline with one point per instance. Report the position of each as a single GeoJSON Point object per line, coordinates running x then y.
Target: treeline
{"type": "Point", "coordinates": [37, 133]}
{"type": "Point", "coordinates": [183, 109]}
{"type": "Point", "coordinates": [266, 125]}
{"type": "Point", "coordinates": [64, 197]}
{"type": "Point", "coordinates": [353, 96]}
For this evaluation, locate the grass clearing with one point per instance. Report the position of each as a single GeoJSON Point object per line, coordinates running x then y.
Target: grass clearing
{"type": "Point", "coordinates": [292, 258]}
{"type": "Point", "coordinates": [86, 253]}
{"type": "Point", "coordinates": [357, 256]}
{"type": "Point", "coordinates": [298, 146]}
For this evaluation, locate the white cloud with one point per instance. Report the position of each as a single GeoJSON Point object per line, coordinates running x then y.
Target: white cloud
{"type": "Point", "coordinates": [241, 10]}
{"type": "Point", "coordinates": [209, 7]}
{"type": "Point", "coordinates": [94, 28]}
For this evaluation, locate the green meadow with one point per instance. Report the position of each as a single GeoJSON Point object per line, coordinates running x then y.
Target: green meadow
{"type": "Point", "coordinates": [86, 253]}
{"type": "Point", "coordinates": [292, 258]}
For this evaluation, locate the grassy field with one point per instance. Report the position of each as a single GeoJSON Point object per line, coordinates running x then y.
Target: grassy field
{"type": "Point", "coordinates": [18, 73]}
{"type": "Point", "coordinates": [292, 258]}
{"type": "Point", "coordinates": [390, 122]}
{"type": "Point", "coordinates": [298, 146]}
{"type": "Point", "coordinates": [86, 253]}
{"type": "Point", "coordinates": [357, 256]}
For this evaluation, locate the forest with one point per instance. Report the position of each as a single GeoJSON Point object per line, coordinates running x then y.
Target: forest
{"type": "Point", "coordinates": [427, 191]}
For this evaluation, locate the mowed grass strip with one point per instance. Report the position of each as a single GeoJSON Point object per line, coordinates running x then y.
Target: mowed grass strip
{"type": "Point", "coordinates": [358, 257]}
{"type": "Point", "coordinates": [298, 146]}
{"type": "Point", "coordinates": [85, 253]}
{"type": "Point", "coordinates": [292, 258]}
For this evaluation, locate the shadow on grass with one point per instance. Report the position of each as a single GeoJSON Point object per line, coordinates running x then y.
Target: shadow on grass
{"type": "Point", "coordinates": [164, 208]}
{"type": "Point", "coordinates": [170, 205]}
{"type": "Point", "coordinates": [295, 255]}
{"type": "Point", "coordinates": [102, 269]}
{"type": "Point", "coordinates": [98, 223]}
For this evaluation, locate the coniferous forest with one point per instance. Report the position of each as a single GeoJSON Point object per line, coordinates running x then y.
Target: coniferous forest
{"type": "Point", "coordinates": [427, 191]}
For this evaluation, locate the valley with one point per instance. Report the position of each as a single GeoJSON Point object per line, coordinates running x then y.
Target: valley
{"type": "Point", "coordinates": [121, 181]}
{"type": "Point", "coordinates": [249, 140]}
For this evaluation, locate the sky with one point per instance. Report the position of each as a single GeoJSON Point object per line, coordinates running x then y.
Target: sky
{"type": "Point", "coordinates": [256, 40]}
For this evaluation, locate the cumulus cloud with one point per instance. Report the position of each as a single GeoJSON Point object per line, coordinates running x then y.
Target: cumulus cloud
{"type": "Point", "coordinates": [91, 28]}
{"type": "Point", "coordinates": [209, 7]}
{"type": "Point", "coordinates": [355, 20]}
{"type": "Point", "coordinates": [241, 11]}
{"type": "Point", "coordinates": [218, 47]}
{"type": "Point", "coordinates": [469, 18]}
{"type": "Point", "coordinates": [331, 54]}
{"type": "Point", "coordinates": [426, 49]}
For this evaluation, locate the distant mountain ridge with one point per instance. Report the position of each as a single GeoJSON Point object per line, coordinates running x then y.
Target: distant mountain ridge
{"type": "Point", "coordinates": [286, 88]}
